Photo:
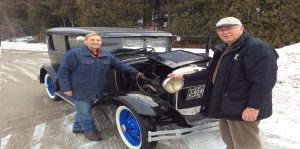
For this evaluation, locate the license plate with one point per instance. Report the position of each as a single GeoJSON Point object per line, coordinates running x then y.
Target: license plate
{"type": "Point", "coordinates": [195, 92]}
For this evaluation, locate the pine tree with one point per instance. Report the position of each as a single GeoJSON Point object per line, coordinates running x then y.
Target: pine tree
{"type": "Point", "coordinates": [112, 13]}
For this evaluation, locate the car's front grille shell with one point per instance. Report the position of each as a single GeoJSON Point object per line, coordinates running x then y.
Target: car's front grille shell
{"type": "Point", "coordinates": [182, 101]}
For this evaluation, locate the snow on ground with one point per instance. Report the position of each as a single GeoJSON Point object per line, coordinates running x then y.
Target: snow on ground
{"type": "Point", "coordinates": [281, 130]}
{"type": "Point", "coordinates": [24, 46]}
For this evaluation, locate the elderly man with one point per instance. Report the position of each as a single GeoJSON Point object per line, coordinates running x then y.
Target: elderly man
{"type": "Point", "coordinates": [241, 77]}
{"type": "Point", "coordinates": [81, 76]}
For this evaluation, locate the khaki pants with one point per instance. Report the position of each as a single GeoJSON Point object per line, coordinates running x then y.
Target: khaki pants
{"type": "Point", "coordinates": [240, 134]}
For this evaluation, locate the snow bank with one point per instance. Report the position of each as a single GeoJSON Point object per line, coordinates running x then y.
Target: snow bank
{"type": "Point", "coordinates": [24, 46]}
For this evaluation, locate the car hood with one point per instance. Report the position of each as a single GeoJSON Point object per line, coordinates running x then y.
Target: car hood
{"type": "Point", "coordinates": [173, 59]}
{"type": "Point", "coordinates": [178, 58]}
{"type": "Point", "coordinates": [132, 57]}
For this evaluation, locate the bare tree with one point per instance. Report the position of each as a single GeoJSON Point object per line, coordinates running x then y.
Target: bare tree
{"type": "Point", "coordinates": [9, 22]}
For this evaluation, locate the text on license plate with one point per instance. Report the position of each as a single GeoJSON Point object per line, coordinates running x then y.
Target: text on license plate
{"type": "Point", "coordinates": [195, 92]}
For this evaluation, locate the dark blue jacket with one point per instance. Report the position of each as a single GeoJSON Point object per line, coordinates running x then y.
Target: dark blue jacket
{"type": "Point", "coordinates": [246, 77]}
{"type": "Point", "coordinates": [84, 75]}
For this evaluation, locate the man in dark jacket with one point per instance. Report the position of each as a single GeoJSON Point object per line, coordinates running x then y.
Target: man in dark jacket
{"type": "Point", "coordinates": [241, 77]}
{"type": "Point", "coordinates": [82, 75]}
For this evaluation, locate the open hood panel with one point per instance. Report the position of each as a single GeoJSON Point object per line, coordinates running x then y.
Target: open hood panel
{"type": "Point", "coordinates": [178, 58]}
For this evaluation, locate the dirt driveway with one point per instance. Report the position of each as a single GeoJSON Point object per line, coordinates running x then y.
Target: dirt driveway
{"type": "Point", "coordinates": [29, 120]}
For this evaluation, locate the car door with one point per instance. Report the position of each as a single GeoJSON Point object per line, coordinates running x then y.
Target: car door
{"type": "Point", "coordinates": [57, 48]}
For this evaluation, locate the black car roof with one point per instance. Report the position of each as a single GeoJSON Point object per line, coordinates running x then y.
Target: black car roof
{"type": "Point", "coordinates": [107, 31]}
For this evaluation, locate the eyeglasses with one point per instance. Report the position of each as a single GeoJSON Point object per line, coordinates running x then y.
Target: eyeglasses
{"type": "Point", "coordinates": [226, 28]}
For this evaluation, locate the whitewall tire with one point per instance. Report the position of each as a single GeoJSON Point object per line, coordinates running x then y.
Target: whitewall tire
{"type": "Point", "coordinates": [133, 128]}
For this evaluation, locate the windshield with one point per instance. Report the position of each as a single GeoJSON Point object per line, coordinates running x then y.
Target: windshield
{"type": "Point", "coordinates": [159, 44]}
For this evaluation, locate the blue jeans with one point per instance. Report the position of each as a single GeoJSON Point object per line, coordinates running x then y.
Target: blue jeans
{"type": "Point", "coordinates": [84, 119]}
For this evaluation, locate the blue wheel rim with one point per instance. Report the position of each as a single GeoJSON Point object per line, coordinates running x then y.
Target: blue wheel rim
{"type": "Point", "coordinates": [50, 87]}
{"type": "Point", "coordinates": [130, 127]}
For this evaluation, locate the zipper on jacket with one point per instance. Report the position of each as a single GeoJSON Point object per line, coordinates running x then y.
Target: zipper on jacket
{"type": "Point", "coordinates": [221, 101]}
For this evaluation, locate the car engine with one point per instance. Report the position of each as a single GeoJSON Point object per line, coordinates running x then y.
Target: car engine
{"type": "Point", "coordinates": [157, 68]}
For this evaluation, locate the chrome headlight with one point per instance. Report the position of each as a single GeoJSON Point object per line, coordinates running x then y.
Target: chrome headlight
{"type": "Point", "coordinates": [172, 85]}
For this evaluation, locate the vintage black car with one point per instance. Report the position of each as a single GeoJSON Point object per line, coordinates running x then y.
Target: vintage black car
{"type": "Point", "coordinates": [142, 105]}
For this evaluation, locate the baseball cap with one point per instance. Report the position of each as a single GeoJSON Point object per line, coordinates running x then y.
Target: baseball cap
{"type": "Point", "coordinates": [228, 21]}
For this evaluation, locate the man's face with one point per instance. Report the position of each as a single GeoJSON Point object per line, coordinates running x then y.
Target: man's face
{"type": "Point", "coordinates": [230, 34]}
{"type": "Point", "coordinates": [93, 42]}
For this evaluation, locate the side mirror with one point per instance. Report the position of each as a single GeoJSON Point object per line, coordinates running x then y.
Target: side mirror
{"type": "Point", "coordinates": [176, 38]}
{"type": "Point", "coordinates": [79, 39]}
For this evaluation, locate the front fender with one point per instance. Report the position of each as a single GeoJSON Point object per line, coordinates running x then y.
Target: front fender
{"type": "Point", "coordinates": [142, 103]}
{"type": "Point", "coordinates": [47, 68]}
{"type": "Point", "coordinates": [146, 104]}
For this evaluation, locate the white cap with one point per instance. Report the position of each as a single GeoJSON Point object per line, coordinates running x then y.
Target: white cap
{"type": "Point", "coordinates": [228, 21]}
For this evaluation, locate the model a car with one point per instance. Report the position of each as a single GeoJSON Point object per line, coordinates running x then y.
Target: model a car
{"type": "Point", "coordinates": [142, 105]}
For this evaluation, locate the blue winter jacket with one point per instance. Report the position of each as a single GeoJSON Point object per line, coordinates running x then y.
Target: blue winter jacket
{"type": "Point", "coordinates": [84, 75]}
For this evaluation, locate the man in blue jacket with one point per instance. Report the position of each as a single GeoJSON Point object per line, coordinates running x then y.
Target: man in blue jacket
{"type": "Point", "coordinates": [241, 77]}
{"type": "Point", "coordinates": [82, 75]}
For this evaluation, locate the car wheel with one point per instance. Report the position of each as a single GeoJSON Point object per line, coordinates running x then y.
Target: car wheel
{"type": "Point", "coordinates": [133, 128]}
{"type": "Point", "coordinates": [50, 87]}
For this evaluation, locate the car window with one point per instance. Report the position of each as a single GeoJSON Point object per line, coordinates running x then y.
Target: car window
{"type": "Point", "coordinates": [75, 42]}
{"type": "Point", "coordinates": [160, 44]}
{"type": "Point", "coordinates": [59, 42]}
{"type": "Point", "coordinates": [49, 42]}
{"type": "Point", "coordinates": [112, 43]}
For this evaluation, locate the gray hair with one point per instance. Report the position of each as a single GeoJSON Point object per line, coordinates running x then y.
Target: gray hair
{"type": "Point", "coordinates": [91, 34]}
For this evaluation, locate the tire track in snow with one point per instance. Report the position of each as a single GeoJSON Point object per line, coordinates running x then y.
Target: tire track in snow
{"type": "Point", "coordinates": [5, 68]}
{"type": "Point", "coordinates": [39, 131]}
{"type": "Point", "coordinates": [27, 66]}
{"type": "Point", "coordinates": [21, 70]}
{"type": "Point", "coordinates": [25, 71]}
{"type": "Point", "coordinates": [28, 62]}
{"type": "Point", "coordinates": [37, 136]}
{"type": "Point", "coordinates": [5, 77]}
{"type": "Point", "coordinates": [38, 146]}
{"type": "Point", "coordinates": [4, 141]}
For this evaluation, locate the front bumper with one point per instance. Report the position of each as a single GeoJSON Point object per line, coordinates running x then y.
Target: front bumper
{"type": "Point", "coordinates": [182, 133]}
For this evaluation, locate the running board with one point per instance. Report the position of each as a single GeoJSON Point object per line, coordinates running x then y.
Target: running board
{"type": "Point", "coordinates": [181, 133]}
{"type": "Point", "coordinates": [61, 95]}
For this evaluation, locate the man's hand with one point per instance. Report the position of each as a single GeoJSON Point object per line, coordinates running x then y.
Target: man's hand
{"type": "Point", "coordinates": [176, 76]}
{"type": "Point", "coordinates": [68, 93]}
{"type": "Point", "coordinates": [140, 75]}
{"type": "Point", "coordinates": [250, 114]}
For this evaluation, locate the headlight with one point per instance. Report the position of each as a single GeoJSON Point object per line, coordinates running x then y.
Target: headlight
{"type": "Point", "coordinates": [172, 85]}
